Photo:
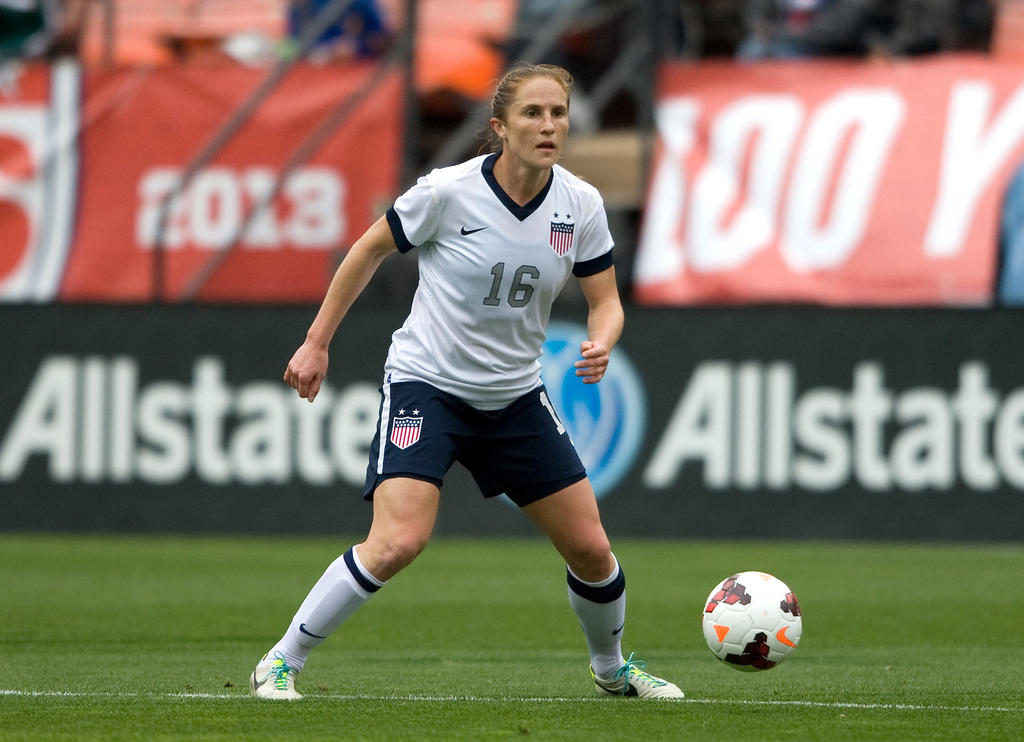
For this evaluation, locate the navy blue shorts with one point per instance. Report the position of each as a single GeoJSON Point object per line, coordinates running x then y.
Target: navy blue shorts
{"type": "Point", "coordinates": [522, 450]}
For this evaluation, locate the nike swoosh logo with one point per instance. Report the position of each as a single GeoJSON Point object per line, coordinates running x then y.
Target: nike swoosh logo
{"type": "Point", "coordinates": [302, 628]}
{"type": "Point", "coordinates": [471, 231]}
{"type": "Point", "coordinates": [781, 636]}
{"type": "Point", "coordinates": [616, 632]}
{"type": "Point", "coordinates": [257, 684]}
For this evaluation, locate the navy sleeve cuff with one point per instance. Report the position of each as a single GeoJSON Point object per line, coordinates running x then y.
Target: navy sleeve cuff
{"type": "Point", "coordinates": [593, 266]}
{"type": "Point", "coordinates": [395, 222]}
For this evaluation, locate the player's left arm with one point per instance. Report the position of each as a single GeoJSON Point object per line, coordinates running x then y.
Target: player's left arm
{"type": "Point", "coordinates": [604, 324]}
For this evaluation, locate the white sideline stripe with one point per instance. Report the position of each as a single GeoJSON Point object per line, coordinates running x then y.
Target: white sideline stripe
{"type": "Point", "coordinates": [536, 699]}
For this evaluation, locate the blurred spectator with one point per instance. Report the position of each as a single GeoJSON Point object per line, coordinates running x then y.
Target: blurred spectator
{"type": "Point", "coordinates": [912, 27]}
{"type": "Point", "coordinates": [783, 29]}
{"type": "Point", "coordinates": [35, 28]}
{"type": "Point", "coordinates": [712, 28]}
{"type": "Point", "coordinates": [1010, 268]}
{"type": "Point", "coordinates": [1007, 30]}
{"type": "Point", "coordinates": [26, 27]}
{"type": "Point", "coordinates": [589, 44]}
{"type": "Point", "coordinates": [531, 17]}
{"type": "Point", "coordinates": [358, 33]}
{"type": "Point", "coordinates": [976, 23]}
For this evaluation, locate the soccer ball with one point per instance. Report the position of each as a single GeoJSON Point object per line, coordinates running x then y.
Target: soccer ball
{"type": "Point", "coordinates": [752, 621]}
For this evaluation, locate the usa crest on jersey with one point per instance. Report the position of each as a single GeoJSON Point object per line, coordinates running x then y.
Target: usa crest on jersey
{"type": "Point", "coordinates": [405, 431]}
{"type": "Point", "coordinates": [561, 234]}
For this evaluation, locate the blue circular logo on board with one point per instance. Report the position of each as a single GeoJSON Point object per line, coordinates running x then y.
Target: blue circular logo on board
{"type": "Point", "coordinates": [605, 420]}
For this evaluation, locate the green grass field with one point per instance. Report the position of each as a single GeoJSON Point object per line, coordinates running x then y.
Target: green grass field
{"type": "Point", "coordinates": [153, 638]}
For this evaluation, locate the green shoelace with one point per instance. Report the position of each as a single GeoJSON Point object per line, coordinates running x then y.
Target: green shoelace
{"type": "Point", "coordinates": [281, 670]}
{"type": "Point", "coordinates": [634, 668]}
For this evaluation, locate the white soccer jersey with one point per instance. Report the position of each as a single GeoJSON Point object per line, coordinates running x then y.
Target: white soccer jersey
{"type": "Point", "coordinates": [489, 271]}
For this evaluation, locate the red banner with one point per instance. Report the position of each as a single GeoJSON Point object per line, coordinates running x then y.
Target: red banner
{"type": "Point", "coordinates": [38, 173]}
{"type": "Point", "coordinates": [123, 192]}
{"type": "Point", "coordinates": [839, 183]}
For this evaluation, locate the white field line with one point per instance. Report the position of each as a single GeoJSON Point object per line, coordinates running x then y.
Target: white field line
{"type": "Point", "coordinates": [516, 699]}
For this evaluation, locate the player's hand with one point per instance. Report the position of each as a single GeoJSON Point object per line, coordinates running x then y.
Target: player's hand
{"type": "Point", "coordinates": [307, 370]}
{"type": "Point", "coordinates": [595, 362]}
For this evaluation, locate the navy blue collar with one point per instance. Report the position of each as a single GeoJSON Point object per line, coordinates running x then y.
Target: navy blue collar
{"type": "Point", "coordinates": [519, 212]}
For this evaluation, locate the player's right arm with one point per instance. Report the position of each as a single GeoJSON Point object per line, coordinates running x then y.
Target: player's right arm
{"type": "Point", "coordinates": [308, 366]}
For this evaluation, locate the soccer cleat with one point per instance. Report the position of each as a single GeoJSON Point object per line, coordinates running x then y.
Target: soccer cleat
{"type": "Point", "coordinates": [631, 680]}
{"type": "Point", "coordinates": [273, 678]}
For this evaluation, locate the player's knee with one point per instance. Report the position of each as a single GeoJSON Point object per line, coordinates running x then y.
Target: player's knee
{"type": "Point", "coordinates": [592, 560]}
{"type": "Point", "coordinates": [399, 551]}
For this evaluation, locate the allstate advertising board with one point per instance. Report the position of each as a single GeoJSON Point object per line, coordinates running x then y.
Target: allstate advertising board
{"type": "Point", "coordinates": [762, 423]}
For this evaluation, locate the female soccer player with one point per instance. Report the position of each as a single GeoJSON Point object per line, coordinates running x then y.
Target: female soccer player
{"type": "Point", "coordinates": [498, 237]}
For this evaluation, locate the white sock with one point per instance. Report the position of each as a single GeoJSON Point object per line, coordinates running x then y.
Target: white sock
{"type": "Point", "coordinates": [342, 588]}
{"type": "Point", "coordinates": [601, 610]}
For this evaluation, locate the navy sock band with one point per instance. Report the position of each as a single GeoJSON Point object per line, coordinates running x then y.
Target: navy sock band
{"type": "Point", "coordinates": [367, 585]}
{"type": "Point", "coordinates": [604, 594]}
